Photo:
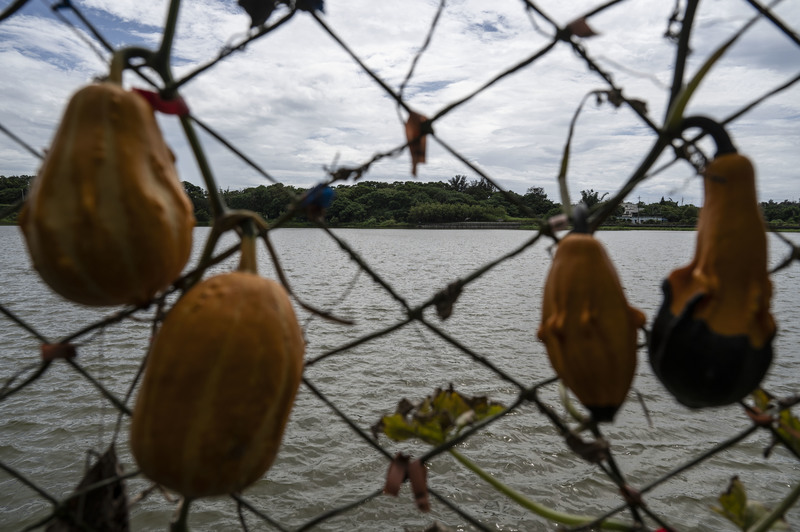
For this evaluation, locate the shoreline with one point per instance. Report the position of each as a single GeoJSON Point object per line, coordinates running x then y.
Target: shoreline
{"type": "Point", "coordinates": [490, 226]}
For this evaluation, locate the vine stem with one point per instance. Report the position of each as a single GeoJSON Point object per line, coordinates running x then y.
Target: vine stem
{"type": "Point", "coordinates": [765, 523]}
{"type": "Point", "coordinates": [247, 259]}
{"type": "Point", "coordinates": [181, 522]}
{"type": "Point", "coordinates": [218, 207]}
{"type": "Point", "coordinates": [160, 62]}
{"type": "Point", "coordinates": [682, 53]}
{"type": "Point", "coordinates": [537, 508]}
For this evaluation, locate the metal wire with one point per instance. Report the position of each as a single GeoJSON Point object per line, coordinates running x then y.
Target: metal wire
{"type": "Point", "coordinates": [412, 315]}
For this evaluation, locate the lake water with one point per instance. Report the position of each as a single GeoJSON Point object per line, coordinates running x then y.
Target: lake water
{"type": "Point", "coordinates": [47, 429]}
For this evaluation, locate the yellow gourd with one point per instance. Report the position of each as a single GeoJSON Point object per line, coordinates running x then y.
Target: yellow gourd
{"type": "Point", "coordinates": [219, 385]}
{"type": "Point", "coordinates": [107, 221]}
{"type": "Point", "coordinates": [588, 327]}
{"type": "Point", "coordinates": [711, 340]}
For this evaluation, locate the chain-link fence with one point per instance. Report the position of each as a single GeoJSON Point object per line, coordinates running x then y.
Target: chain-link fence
{"type": "Point", "coordinates": [347, 448]}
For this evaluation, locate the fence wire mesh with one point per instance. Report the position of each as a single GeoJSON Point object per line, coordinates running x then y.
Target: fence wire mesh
{"type": "Point", "coordinates": [625, 503]}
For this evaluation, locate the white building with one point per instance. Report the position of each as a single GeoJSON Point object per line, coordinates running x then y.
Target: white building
{"type": "Point", "coordinates": [631, 214]}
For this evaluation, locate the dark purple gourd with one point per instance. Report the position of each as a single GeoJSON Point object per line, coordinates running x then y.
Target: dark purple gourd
{"type": "Point", "coordinates": [711, 342]}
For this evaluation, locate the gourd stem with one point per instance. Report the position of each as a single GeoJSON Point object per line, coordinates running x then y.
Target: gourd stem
{"type": "Point", "coordinates": [580, 222]}
{"type": "Point", "coordinates": [121, 58]}
{"type": "Point", "coordinates": [537, 508]}
{"type": "Point", "coordinates": [714, 129]}
{"type": "Point", "coordinates": [181, 523]}
{"type": "Point", "coordinates": [118, 63]}
{"type": "Point", "coordinates": [568, 404]}
{"type": "Point", "coordinates": [161, 61]}
{"type": "Point", "coordinates": [247, 259]}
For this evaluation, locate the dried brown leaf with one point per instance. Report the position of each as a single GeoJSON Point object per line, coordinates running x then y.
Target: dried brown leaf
{"type": "Point", "coordinates": [103, 508]}
{"type": "Point", "coordinates": [416, 139]}
{"type": "Point", "coordinates": [580, 28]}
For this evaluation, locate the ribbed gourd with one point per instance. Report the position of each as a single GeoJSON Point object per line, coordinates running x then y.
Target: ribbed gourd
{"type": "Point", "coordinates": [219, 385]}
{"type": "Point", "coordinates": [107, 221]}
{"type": "Point", "coordinates": [711, 342]}
{"type": "Point", "coordinates": [588, 327]}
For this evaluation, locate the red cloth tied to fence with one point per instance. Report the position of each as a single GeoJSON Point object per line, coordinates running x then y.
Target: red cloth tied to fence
{"type": "Point", "coordinates": [174, 106]}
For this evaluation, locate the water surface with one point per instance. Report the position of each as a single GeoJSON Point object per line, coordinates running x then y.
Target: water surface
{"type": "Point", "coordinates": [47, 429]}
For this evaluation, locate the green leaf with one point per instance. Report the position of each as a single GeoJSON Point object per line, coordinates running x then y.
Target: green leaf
{"type": "Point", "coordinates": [789, 428]}
{"type": "Point", "coordinates": [734, 504]}
{"type": "Point", "coordinates": [788, 424]}
{"type": "Point", "coordinates": [397, 428]}
{"type": "Point", "coordinates": [740, 511]}
{"type": "Point", "coordinates": [761, 399]}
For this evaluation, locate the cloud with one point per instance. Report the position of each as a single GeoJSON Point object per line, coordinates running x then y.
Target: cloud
{"type": "Point", "coordinates": [295, 102]}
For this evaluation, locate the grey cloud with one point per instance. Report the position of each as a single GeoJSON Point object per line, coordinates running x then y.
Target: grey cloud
{"type": "Point", "coordinates": [294, 101]}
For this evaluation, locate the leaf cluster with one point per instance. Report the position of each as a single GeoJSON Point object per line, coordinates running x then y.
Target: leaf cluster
{"type": "Point", "coordinates": [437, 417]}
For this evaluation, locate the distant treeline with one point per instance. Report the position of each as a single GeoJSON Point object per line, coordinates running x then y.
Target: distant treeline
{"type": "Point", "coordinates": [373, 203]}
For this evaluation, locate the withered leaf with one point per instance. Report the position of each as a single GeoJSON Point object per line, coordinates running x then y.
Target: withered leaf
{"type": "Point", "coordinates": [310, 5]}
{"type": "Point", "coordinates": [639, 105]}
{"type": "Point", "coordinates": [416, 139]}
{"type": "Point", "coordinates": [446, 299]}
{"type": "Point", "coordinates": [104, 508]}
{"type": "Point", "coordinates": [54, 351]}
{"type": "Point", "coordinates": [580, 28]}
{"type": "Point", "coordinates": [259, 10]}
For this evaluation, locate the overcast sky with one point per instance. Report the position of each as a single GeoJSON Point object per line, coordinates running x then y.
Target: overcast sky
{"type": "Point", "coordinates": [296, 103]}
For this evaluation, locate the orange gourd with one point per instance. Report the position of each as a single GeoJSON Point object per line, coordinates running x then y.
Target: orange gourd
{"type": "Point", "coordinates": [107, 221]}
{"type": "Point", "coordinates": [219, 385]}
{"type": "Point", "coordinates": [588, 327]}
{"type": "Point", "coordinates": [711, 340]}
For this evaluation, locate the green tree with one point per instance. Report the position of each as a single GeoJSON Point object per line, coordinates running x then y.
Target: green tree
{"type": "Point", "coordinates": [786, 211]}
{"type": "Point", "coordinates": [199, 199]}
{"type": "Point", "coordinates": [536, 199]}
{"type": "Point", "coordinates": [689, 214]}
{"type": "Point", "coordinates": [453, 212]}
{"type": "Point", "coordinates": [13, 188]}
{"type": "Point", "coordinates": [480, 189]}
{"type": "Point", "coordinates": [458, 183]}
{"type": "Point", "coordinates": [344, 210]}
{"type": "Point", "coordinates": [274, 200]}
{"type": "Point", "coordinates": [508, 201]}
{"type": "Point", "coordinates": [591, 197]}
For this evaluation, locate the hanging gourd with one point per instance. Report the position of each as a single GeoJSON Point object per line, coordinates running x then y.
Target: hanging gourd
{"type": "Point", "coordinates": [711, 340]}
{"type": "Point", "coordinates": [587, 325]}
{"type": "Point", "coordinates": [107, 221]}
{"type": "Point", "coordinates": [219, 384]}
